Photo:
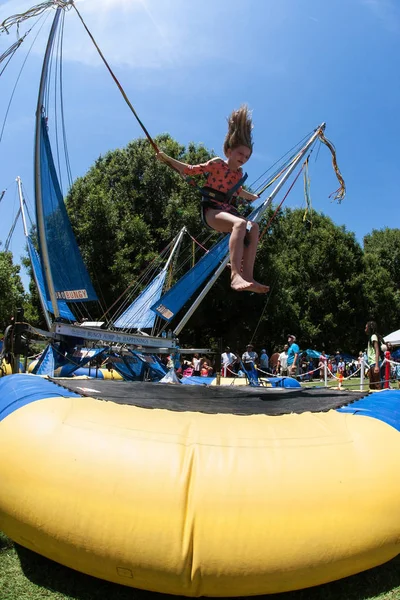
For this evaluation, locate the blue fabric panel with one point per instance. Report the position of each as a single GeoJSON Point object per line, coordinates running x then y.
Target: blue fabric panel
{"type": "Point", "coordinates": [151, 361]}
{"type": "Point", "coordinates": [313, 353]}
{"type": "Point", "coordinates": [70, 277]}
{"type": "Point", "coordinates": [171, 302]}
{"type": "Point", "coordinates": [139, 315]}
{"type": "Point", "coordinates": [384, 406]}
{"type": "Point", "coordinates": [37, 268]}
{"type": "Point", "coordinates": [19, 390]}
{"type": "Point", "coordinates": [79, 361]}
{"type": "Point", "coordinates": [129, 371]}
{"type": "Point", "coordinates": [46, 363]}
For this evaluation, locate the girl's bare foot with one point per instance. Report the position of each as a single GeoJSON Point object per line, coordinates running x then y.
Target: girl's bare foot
{"type": "Point", "coordinates": [241, 285]}
{"type": "Point", "coordinates": [261, 288]}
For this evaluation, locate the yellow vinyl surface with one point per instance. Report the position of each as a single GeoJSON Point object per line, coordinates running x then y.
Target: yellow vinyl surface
{"type": "Point", "coordinates": [6, 368]}
{"type": "Point", "coordinates": [200, 504]}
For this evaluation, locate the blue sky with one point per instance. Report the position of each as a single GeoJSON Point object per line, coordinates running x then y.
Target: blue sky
{"type": "Point", "coordinates": [186, 65]}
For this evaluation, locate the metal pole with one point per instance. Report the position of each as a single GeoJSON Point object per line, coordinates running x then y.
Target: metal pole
{"type": "Point", "coordinates": [42, 300]}
{"type": "Point", "coordinates": [362, 375]}
{"type": "Point", "coordinates": [387, 369]}
{"type": "Point", "coordinates": [38, 184]}
{"type": "Point", "coordinates": [176, 245]}
{"type": "Point", "coordinates": [258, 212]}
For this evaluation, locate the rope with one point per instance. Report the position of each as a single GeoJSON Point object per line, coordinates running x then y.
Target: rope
{"type": "Point", "coordinates": [18, 78]}
{"type": "Point", "coordinates": [32, 12]}
{"type": "Point", "coordinates": [194, 240]}
{"type": "Point", "coordinates": [300, 143]}
{"type": "Point", "coordinates": [279, 206]}
{"type": "Point", "coordinates": [275, 177]}
{"type": "Point", "coordinates": [264, 309]}
{"type": "Point", "coordinates": [340, 193]}
{"type": "Point", "coordinates": [9, 53]}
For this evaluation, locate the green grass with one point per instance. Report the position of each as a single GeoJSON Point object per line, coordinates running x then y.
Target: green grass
{"type": "Point", "coordinates": [25, 575]}
{"type": "Point", "coordinates": [348, 384]}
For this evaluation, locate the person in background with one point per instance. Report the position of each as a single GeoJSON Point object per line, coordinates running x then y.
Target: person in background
{"type": "Point", "coordinates": [206, 369]}
{"type": "Point", "coordinates": [264, 360]}
{"type": "Point", "coordinates": [373, 355]}
{"type": "Point", "coordinates": [228, 359]}
{"type": "Point", "coordinates": [293, 356]}
{"type": "Point", "coordinates": [341, 367]}
{"type": "Point", "coordinates": [249, 358]}
{"type": "Point", "coordinates": [196, 365]}
{"type": "Point", "coordinates": [187, 368]}
{"type": "Point", "coordinates": [321, 364]}
{"type": "Point", "coordinates": [310, 369]}
{"type": "Point", "coordinates": [282, 367]}
{"type": "Point", "coordinates": [303, 364]}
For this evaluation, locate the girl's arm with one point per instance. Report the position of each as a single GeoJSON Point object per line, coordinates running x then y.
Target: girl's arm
{"type": "Point", "coordinates": [172, 162]}
{"type": "Point", "coordinates": [376, 348]}
{"type": "Point", "coordinates": [184, 168]}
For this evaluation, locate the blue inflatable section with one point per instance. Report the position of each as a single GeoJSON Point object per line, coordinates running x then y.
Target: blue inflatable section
{"type": "Point", "coordinates": [285, 382]}
{"type": "Point", "coordinates": [86, 372]}
{"type": "Point", "coordinates": [197, 380]}
{"type": "Point", "coordinates": [384, 406]}
{"type": "Point", "coordinates": [20, 390]}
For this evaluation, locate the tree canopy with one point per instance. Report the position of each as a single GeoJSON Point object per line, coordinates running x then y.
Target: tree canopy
{"type": "Point", "coordinates": [12, 295]}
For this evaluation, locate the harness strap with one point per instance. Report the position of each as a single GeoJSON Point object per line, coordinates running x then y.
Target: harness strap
{"type": "Point", "coordinates": [217, 195]}
{"type": "Point", "coordinates": [237, 185]}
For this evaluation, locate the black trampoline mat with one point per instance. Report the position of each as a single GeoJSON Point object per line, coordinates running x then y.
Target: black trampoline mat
{"type": "Point", "coordinates": [243, 400]}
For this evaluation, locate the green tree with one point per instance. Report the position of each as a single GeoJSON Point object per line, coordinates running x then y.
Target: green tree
{"type": "Point", "coordinates": [315, 275]}
{"type": "Point", "coordinates": [382, 278]}
{"type": "Point", "coordinates": [12, 295]}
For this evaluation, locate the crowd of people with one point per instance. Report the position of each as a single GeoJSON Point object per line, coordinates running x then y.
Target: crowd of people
{"type": "Point", "coordinates": [290, 361]}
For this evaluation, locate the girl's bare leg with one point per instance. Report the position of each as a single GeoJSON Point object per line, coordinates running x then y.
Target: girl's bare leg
{"type": "Point", "coordinates": [236, 226]}
{"type": "Point", "coordinates": [249, 257]}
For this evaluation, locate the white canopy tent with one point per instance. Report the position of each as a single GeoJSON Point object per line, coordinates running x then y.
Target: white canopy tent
{"type": "Point", "coordinates": [393, 338]}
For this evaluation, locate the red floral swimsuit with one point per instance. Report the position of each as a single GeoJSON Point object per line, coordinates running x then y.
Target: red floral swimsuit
{"type": "Point", "coordinates": [221, 179]}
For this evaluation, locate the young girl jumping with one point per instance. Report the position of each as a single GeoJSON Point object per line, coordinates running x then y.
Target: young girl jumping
{"type": "Point", "coordinates": [223, 185]}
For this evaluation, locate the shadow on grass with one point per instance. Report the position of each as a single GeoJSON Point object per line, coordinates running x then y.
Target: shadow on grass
{"type": "Point", "coordinates": [5, 543]}
{"type": "Point", "coordinates": [55, 577]}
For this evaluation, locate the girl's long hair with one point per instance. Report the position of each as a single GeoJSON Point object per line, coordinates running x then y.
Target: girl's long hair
{"type": "Point", "coordinates": [372, 328]}
{"type": "Point", "coordinates": [240, 126]}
